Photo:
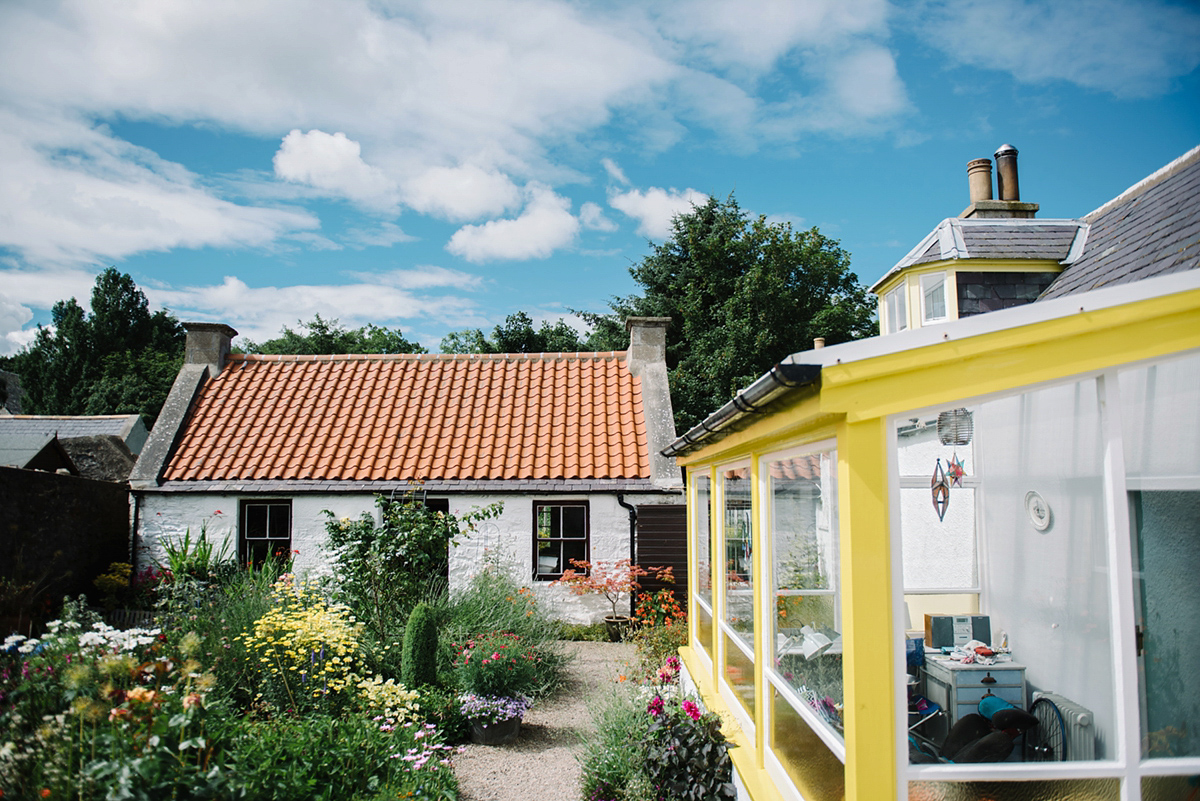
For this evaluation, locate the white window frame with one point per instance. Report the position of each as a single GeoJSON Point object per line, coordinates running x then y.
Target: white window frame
{"type": "Point", "coordinates": [835, 742]}
{"type": "Point", "coordinates": [928, 278]}
{"type": "Point", "coordinates": [896, 309]}
{"type": "Point", "coordinates": [706, 653]}
{"type": "Point", "coordinates": [725, 632]}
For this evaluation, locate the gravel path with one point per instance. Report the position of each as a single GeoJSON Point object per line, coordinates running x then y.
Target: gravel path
{"type": "Point", "coordinates": [541, 764]}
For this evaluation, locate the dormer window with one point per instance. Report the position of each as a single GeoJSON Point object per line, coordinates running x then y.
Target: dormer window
{"type": "Point", "coordinates": [933, 297]}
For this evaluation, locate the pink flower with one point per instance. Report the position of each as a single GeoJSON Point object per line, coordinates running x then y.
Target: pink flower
{"type": "Point", "coordinates": [656, 707]}
{"type": "Point", "coordinates": [495, 656]}
{"type": "Point", "coordinates": [691, 710]}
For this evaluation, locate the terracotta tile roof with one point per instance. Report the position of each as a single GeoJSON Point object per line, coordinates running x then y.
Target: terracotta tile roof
{"type": "Point", "coordinates": [407, 417]}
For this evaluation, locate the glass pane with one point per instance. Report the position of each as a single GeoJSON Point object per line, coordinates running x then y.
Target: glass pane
{"type": "Point", "coordinates": [704, 629]}
{"type": "Point", "coordinates": [546, 521]}
{"type": "Point", "coordinates": [1028, 528]}
{"type": "Point", "coordinates": [573, 549]}
{"type": "Point", "coordinates": [806, 626]}
{"type": "Point", "coordinates": [934, 289]}
{"type": "Point", "coordinates": [939, 554]}
{"type": "Point", "coordinates": [1160, 414]}
{"type": "Point", "coordinates": [256, 521]}
{"type": "Point", "coordinates": [1169, 788]}
{"type": "Point", "coordinates": [549, 557]}
{"type": "Point", "coordinates": [279, 524]}
{"type": "Point", "coordinates": [816, 771]}
{"type": "Point", "coordinates": [739, 673]}
{"type": "Point", "coordinates": [739, 577]}
{"type": "Point", "coordinates": [574, 522]}
{"type": "Point", "coordinates": [1070, 790]}
{"type": "Point", "coordinates": [702, 537]}
{"type": "Point", "coordinates": [1167, 525]}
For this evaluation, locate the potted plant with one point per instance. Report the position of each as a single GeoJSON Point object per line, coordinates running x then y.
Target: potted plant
{"type": "Point", "coordinates": [495, 671]}
{"type": "Point", "coordinates": [613, 580]}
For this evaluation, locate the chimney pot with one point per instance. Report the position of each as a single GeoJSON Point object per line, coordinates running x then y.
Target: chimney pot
{"type": "Point", "coordinates": [818, 342]}
{"type": "Point", "coordinates": [208, 343]}
{"type": "Point", "coordinates": [979, 179]}
{"type": "Point", "coordinates": [1007, 185]}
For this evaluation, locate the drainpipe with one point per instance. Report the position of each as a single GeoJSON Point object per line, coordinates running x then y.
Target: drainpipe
{"type": "Point", "coordinates": [632, 538]}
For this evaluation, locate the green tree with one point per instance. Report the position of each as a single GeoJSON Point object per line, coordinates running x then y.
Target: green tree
{"type": "Point", "coordinates": [118, 359]}
{"type": "Point", "coordinates": [517, 335]}
{"type": "Point", "coordinates": [327, 336]}
{"type": "Point", "coordinates": [742, 294]}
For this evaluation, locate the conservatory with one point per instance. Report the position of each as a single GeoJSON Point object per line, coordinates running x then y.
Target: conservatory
{"type": "Point", "coordinates": [960, 562]}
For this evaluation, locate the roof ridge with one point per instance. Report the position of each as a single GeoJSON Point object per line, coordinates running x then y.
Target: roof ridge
{"type": "Point", "coordinates": [1147, 183]}
{"type": "Point", "coordinates": [550, 356]}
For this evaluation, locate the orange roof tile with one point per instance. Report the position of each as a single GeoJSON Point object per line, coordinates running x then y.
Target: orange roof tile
{"type": "Point", "coordinates": [412, 417]}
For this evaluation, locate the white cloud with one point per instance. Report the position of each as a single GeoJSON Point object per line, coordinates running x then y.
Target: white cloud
{"type": "Point", "coordinates": [1129, 48]}
{"type": "Point", "coordinates": [655, 208]}
{"type": "Point", "coordinates": [333, 162]}
{"type": "Point", "coordinates": [72, 193]}
{"type": "Point", "coordinates": [545, 225]}
{"type": "Point", "coordinates": [422, 277]}
{"type": "Point", "coordinates": [592, 217]}
{"type": "Point", "coordinates": [614, 171]}
{"type": "Point", "coordinates": [259, 313]}
{"type": "Point", "coordinates": [384, 235]}
{"type": "Point", "coordinates": [461, 193]}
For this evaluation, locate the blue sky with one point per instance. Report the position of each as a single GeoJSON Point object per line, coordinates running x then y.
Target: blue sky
{"type": "Point", "coordinates": [438, 165]}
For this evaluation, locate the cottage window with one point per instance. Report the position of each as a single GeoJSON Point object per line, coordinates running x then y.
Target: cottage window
{"type": "Point", "coordinates": [266, 531]}
{"type": "Point", "coordinates": [560, 534]}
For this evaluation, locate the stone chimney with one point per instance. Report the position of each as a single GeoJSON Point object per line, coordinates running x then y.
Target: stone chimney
{"type": "Point", "coordinates": [979, 184]}
{"type": "Point", "coordinates": [204, 356]}
{"type": "Point", "coordinates": [208, 344]}
{"type": "Point", "coordinates": [647, 359]}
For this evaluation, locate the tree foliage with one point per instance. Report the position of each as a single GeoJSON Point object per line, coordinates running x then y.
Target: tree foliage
{"type": "Point", "coordinates": [117, 359]}
{"type": "Point", "coordinates": [517, 335]}
{"type": "Point", "coordinates": [742, 294]}
{"type": "Point", "coordinates": [321, 336]}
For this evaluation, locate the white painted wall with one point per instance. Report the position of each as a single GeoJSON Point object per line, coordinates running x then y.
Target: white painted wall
{"type": "Point", "coordinates": [508, 538]}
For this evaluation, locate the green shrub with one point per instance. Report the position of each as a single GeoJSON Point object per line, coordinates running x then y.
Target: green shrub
{"type": "Point", "coordinates": [583, 632]}
{"type": "Point", "coordinates": [441, 707]}
{"type": "Point", "coordinates": [382, 571]}
{"type": "Point", "coordinates": [323, 758]}
{"type": "Point", "coordinates": [498, 663]}
{"type": "Point", "coordinates": [494, 601]}
{"type": "Point", "coordinates": [418, 661]}
{"type": "Point", "coordinates": [614, 759]}
{"type": "Point", "coordinates": [687, 758]}
{"type": "Point", "coordinates": [656, 644]}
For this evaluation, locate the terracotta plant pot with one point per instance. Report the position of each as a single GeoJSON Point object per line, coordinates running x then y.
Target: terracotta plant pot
{"type": "Point", "coordinates": [618, 626]}
{"type": "Point", "coordinates": [500, 733]}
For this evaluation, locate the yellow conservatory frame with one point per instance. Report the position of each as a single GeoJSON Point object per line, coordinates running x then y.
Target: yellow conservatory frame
{"type": "Point", "coordinates": [851, 401]}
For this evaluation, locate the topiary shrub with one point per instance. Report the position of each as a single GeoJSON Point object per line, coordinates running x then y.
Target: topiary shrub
{"type": "Point", "coordinates": [418, 659]}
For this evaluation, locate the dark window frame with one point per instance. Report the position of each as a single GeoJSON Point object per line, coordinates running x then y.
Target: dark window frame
{"type": "Point", "coordinates": [254, 550]}
{"type": "Point", "coordinates": [554, 544]}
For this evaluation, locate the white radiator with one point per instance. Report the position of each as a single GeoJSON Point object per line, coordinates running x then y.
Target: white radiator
{"type": "Point", "coordinates": [1079, 730]}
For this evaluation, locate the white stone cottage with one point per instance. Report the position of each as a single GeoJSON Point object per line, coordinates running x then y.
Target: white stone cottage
{"type": "Point", "coordinates": [256, 448]}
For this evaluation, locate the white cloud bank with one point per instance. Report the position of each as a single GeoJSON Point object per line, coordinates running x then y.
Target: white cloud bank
{"type": "Point", "coordinates": [655, 208]}
{"type": "Point", "coordinates": [545, 225]}
{"type": "Point", "coordinates": [1130, 48]}
{"type": "Point", "coordinates": [333, 163]}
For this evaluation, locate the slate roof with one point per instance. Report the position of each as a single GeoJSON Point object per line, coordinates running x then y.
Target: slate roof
{"type": "Point", "coordinates": [1153, 228]}
{"type": "Point", "coordinates": [34, 452]}
{"type": "Point", "coordinates": [452, 419]}
{"type": "Point", "coordinates": [961, 239]}
{"type": "Point", "coordinates": [73, 426]}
